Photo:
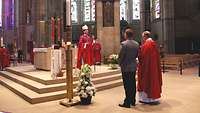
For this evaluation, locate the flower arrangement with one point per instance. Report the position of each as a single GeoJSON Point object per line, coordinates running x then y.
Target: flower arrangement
{"type": "Point", "coordinates": [85, 87]}
{"type": "Point", "coordinates": [113, 61]}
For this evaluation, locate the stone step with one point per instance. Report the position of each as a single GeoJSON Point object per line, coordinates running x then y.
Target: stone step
{"type": "Point", "coordinates": [60, 79]}
{"type": "Point", "coordinates": [41, 88]}
{"type": "Point", "coordinates": [33, 85]}
{"type": "Point", "coordinates": [33, 97]}
{"type": "Point", "coordinates": [29, 95]}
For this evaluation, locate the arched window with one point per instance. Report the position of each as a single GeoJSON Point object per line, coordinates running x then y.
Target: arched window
{"type": "Point", "coordinates": [74, 11]}
{"type": "Point", "coordinates": [155, 8]}
{"type": "Point", "coordinates": [123, 11]}
{"type": "Point", "coordinates": [89, 10]}
{"type": "Point", "coordinates": [136, 9]}
{"type": "Point", "coordinates": [0, 13]}
{"type": "Point", "coordinates": [9, 14]}
{"type": "Point", "coordinates": [93, 9]}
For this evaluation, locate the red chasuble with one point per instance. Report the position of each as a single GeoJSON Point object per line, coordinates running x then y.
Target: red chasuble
{"type": "Point", "coordinates": [97, 52]}
{"type": "Point", "coordinates": [149, 70]}
{"type": "Point", "coordinates": [4, 57]}
{"type": "Point", "coordinates": [84, 50]}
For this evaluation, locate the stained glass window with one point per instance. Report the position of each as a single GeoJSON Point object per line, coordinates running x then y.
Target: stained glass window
{"type": "Point", "coordinates": [93, 10]}
{"type": "Point", "coordinates": [12, 10]}
{"type": "Point", "coordinates": [155, 6]}
{"type": "Point", "coordinates": [87, 10]}
{"type": "Point", "coordinates": [0, 13]}
{"type": "Point", "coordinates": [74, 11]}
{"type": "Point", "coordinates": [136, 9]}
{"type": "Point", "coordinates": [123, 13]}
{"type": "Point", "coordinates": [9, 14]}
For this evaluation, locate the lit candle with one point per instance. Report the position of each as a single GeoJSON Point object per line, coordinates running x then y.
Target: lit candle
{"type": "Point", "coordinates": [68, 12]}
{"type": "Point", "coordinates": [1, 42]}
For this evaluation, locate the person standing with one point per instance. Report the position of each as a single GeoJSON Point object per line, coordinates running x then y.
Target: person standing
{"type": "Point", "coordinates": [127, 61]}
{"type": "Point", "coordinates": [84, 48]}
{"type": "Point", "coordinates": [149, 71]}
{"type": "Point", "coordinates": [123, 26]}
{"type": "Point", "coordinates": [96, 46]}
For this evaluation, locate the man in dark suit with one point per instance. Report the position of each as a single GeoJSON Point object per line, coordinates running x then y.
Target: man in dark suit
{"type": "Point", "coordinates": [127, 61]}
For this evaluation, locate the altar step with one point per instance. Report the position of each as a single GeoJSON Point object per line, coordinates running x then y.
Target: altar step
{"type": "Point", "coordinates": [42, 88]}
{"type": "Point", "coordinates": [60, 79]}
{"type": "Point", "coordinates": [35, 91]}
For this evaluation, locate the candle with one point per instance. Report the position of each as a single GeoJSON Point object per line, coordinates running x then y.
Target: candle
{"type": "Point", "coordinates": [68, 12]}
{"type": "Point", "coordinates": [58, 29]}
{"type": "Point", "coordinates": [52, 29]}
{"type": "Point", "coordinates": [1, 42]}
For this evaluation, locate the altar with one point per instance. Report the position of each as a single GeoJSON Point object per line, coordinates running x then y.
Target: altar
{"type": "Point", "coordinates": [42, 58]}
{"type": "Point", "coordinates": [48, 58]}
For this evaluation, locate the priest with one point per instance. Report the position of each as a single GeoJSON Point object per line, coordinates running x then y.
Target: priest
{"type": "Point", "coordinates": [84, 48]}
{"type": "Point", "coordinates": [149, 71]}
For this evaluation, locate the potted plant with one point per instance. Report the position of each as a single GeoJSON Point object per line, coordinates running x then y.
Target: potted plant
{"type": "Point", "coordinates": [85, 88]}
{"type": "Point", "coordinates": [113, 61]}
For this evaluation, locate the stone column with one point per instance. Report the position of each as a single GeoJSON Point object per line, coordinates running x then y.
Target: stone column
{"type": "Point", "coordinates": [16, 26]}
{"type": "Point", "coordinates": [109, 36]}
{"type": "Point", "coordinates": [145, 16]}
{"type": "Point", "coordinates": [22, 25]}
{"type": "Point", "coordinates": [3, 21]}
{"type": "Point", "coordinates": [80, 11]}
{"type": "Point", "coordinates": [167, 9]}
{"type": "Point", "coordinates": [130, 11]}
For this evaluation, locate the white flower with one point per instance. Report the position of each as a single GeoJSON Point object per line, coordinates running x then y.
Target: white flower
{"type": "Point", "coordinates": [88, 88]}
{"type": "Point", "coordinates": [91, 93]}
{"type": "Point", "coordinates": [85, 82]}
{"type": "Point", "coordinates": [82, 87]}
{"type": "Point", "coordinates": [85, 87]}
{"type": "Point", "coordinates": [84, 95]}
{"type": "Point", "coordinates": [81, 80]}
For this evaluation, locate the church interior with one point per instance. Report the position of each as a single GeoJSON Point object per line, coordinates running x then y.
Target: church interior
{"type": "Point", "coordinates": [39, 53]}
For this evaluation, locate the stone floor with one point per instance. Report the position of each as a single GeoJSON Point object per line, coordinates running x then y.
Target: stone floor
{"type": "Point", "coordinates": [181, 94]}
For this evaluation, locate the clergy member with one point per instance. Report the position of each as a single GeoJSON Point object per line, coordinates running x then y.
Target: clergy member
{"type": "Point", "coordinates": [149, 71]}
{"type": "Point", "coordinates": [84, 48]}
{"type": "Point", "coordinates": [96, 46]}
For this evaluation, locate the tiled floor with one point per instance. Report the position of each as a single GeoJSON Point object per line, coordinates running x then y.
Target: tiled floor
{"type": "Point", "coordinates": [181, 94]}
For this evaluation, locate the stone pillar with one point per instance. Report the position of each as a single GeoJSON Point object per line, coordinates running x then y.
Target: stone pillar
{"type": "Point", "coordinates": [130, 11]}
{"type": "Point", "coordinates": [80, 11]}
{"type": "Point", "coordinates": [22, 26]}
{"type": "Point", "coordinates": [3, 20]}
{"type": "Point", "coordinates": [167, 9]}
{"type": "Point", "coordinates": [145, 16]}
{"type": "Point", "coordinates": [108, 35]}
{"type": "Point", "coordinates": [16, 22]}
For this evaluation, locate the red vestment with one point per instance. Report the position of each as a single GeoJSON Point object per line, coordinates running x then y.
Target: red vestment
{"type": "Point", "coordinates": [84, 50]}
{"type": "Point", "coordinates": [97, 52]}
{"type": "Point", "coordinates": [149, 70]}
{"type": "Point", "coordinates": [5, 61]}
